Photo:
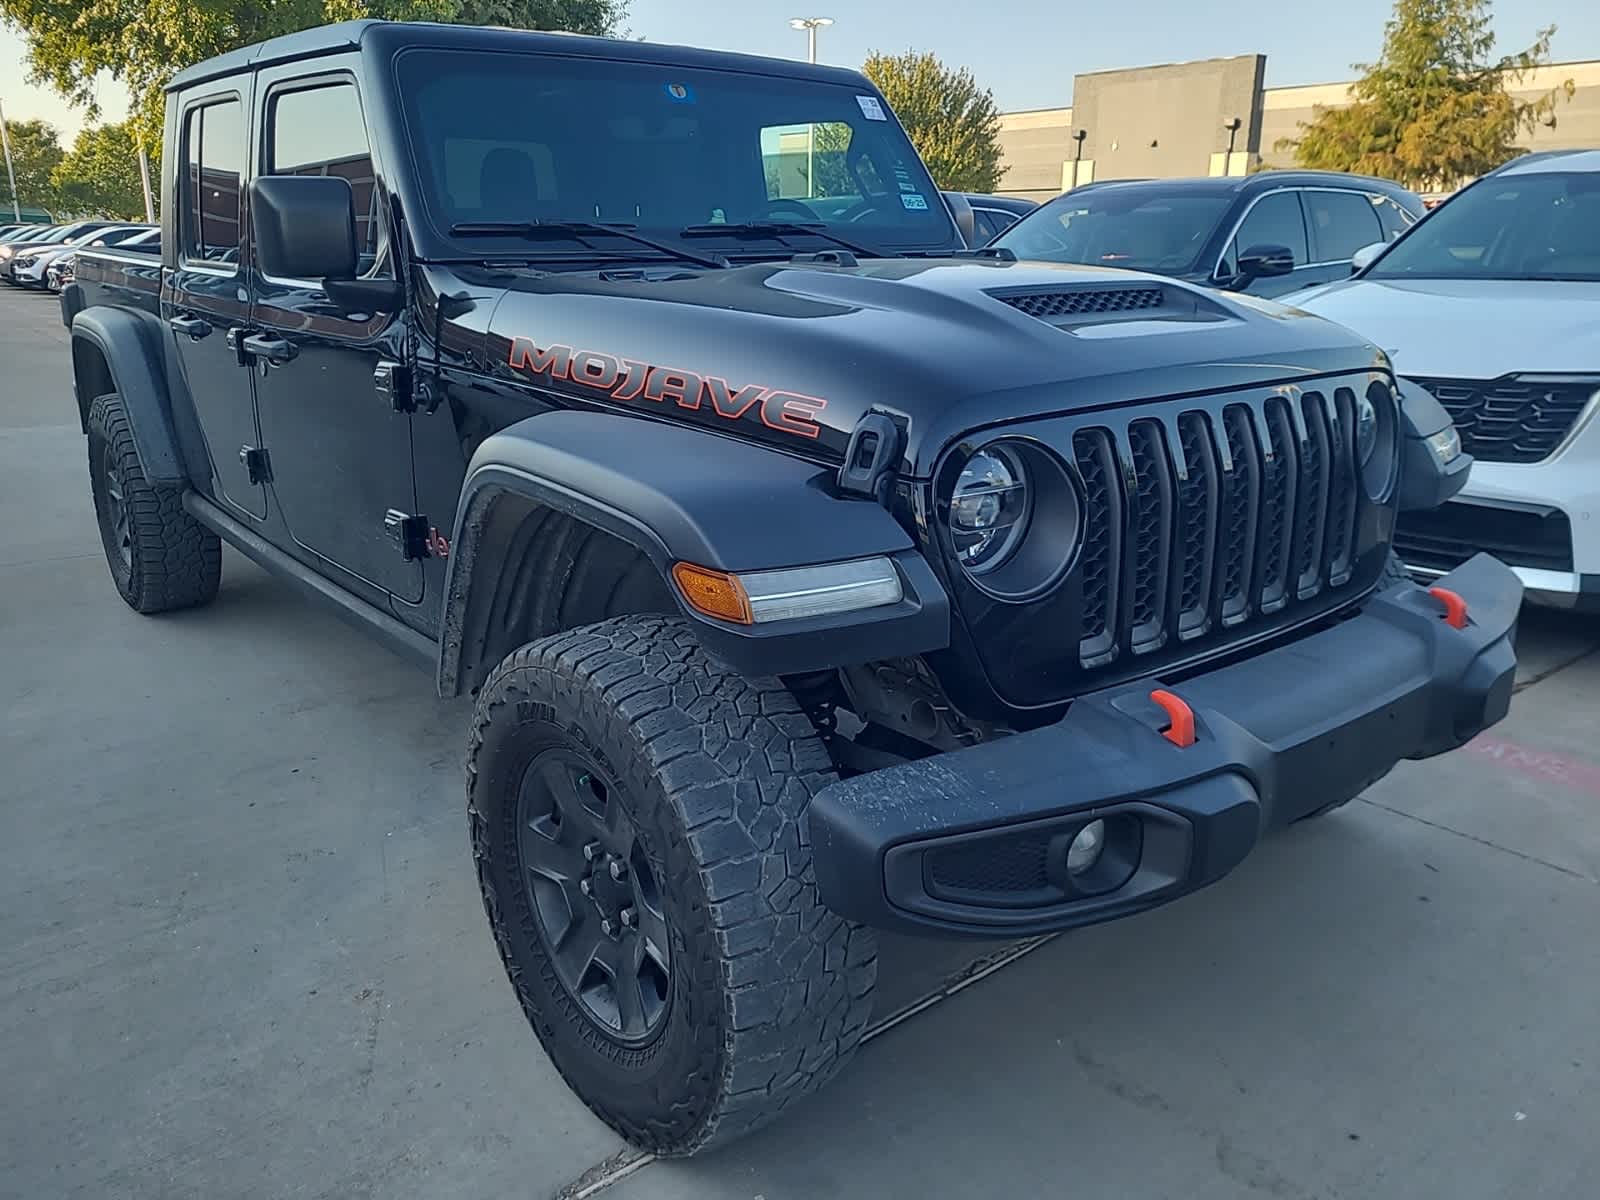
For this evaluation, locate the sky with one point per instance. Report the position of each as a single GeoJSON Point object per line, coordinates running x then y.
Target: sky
{"type": "Point", "coordinates": [1025, 51]}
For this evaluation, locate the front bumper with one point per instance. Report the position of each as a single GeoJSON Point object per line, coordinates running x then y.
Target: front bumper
{"type": "Point", "coordinates": [973, 843]}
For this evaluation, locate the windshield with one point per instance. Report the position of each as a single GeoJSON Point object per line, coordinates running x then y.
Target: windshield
{"type": "Point", "coordinates": [517, 138]}
{"type": "Point", "coordinates": [1544, 226]}
{"type": "Point", "coordinates": [1143, 229]}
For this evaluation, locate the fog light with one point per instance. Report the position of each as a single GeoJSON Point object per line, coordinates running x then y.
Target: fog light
{"type": "Point", "coordinates": [1085, 849]}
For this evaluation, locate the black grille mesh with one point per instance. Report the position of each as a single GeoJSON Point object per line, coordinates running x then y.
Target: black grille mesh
{"type": "Point", "coordinates": [1013, 863]}
{"type": "Point", "coordinates": [1240, 511]}
{"type": "Point", "coordinates": [1152, 529]}
{"type": "Point", "coordinates": [1092, 448]}
{"type": "Point", "coordinates": [1196, 506]}
{"type": "Point", "coordinates": [1081, 301]}
{"type": "Point", "coordinates": [1509, 420]}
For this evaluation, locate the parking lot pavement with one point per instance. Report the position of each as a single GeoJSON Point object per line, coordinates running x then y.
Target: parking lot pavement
{"type": "Point", "coordinates": [241, 950]}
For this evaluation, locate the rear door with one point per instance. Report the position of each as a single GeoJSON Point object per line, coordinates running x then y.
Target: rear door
{"type": "Point", "coordinates": [341, 454]}
{"type": "Point", "coordinates": [207, 303]}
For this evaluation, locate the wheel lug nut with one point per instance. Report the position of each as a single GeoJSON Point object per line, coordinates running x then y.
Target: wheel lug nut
{"type": "Point", "coordinates": [605, 926]}
{"type": "Point", "coordinates": [628, 918]}
{"type": "Point", "coordinates": [585, 886]}
{"type": "Point", "coordinates": [616, 869]}
{"type": "Point", "coordinates": [591, 851]}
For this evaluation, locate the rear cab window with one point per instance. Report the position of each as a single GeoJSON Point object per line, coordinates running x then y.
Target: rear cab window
{"type": "Point", "coordinates": [212, 179]}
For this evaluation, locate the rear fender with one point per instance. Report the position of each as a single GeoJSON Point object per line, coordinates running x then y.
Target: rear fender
{"type": "Point", "coordinates": [114, 350]}
{"type": "Point", "coordinates": [684, 495]}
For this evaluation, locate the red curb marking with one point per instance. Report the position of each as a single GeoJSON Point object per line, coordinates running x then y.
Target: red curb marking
{"type": "Point", "coordinates": [1541, 764]}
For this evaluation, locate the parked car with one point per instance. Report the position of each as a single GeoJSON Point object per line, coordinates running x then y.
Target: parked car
{"type": "Point", "coordinates": [809, 577]}
{"type": "Point", "coordinates": [53, 235]}
{"type": "Point", "coordinates": [145, 244]}
{"type": "Point", "coordinates": [29, 264]}
{"type": "Point", "coordinates": [1265, 234]}
{"type": "Point", "coordinates": [1492, 305]}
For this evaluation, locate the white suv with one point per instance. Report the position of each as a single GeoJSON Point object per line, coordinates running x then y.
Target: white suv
{"type": "Point", "coordinates": [1492, 304]}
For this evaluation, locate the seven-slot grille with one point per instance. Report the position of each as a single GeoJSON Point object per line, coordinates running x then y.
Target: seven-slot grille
{"type": "Point", "coordinates": [1510, 420]}
{"type": "Point", "coordinates": [1214, 517]}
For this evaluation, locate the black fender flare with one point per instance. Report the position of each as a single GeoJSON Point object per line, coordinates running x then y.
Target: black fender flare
{"type": "Point", "coordinates": [684, 495]}
{"type": "Point", "coordinates": [116, 350]}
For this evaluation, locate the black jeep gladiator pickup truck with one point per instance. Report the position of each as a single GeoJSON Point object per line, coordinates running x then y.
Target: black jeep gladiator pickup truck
{"type": "Point", "coordinates": [812, 574]}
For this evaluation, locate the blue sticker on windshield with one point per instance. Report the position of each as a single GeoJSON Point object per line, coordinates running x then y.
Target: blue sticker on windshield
{"type": "Point", "coordinates": [679, 93]}
{"type": "Point", "coordinates": [914, 202]}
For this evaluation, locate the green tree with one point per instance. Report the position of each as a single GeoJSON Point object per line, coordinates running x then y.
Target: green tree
{"type": "Point", "coordinates": [144, 43]}
{"type": "Point", "coordinates": [35, 151]}
{"type": "Point", "coordinates": [952, 121]}
{"type": "Point", "coordinates": [100, 174]}
{"type": "Point", "coordinates": [1435, 108]}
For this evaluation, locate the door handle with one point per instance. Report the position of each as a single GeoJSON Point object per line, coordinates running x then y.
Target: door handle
{"type": "Point", "coordinates": [190, 327]}
{"type": "Point", "coordinates": [269, 349]}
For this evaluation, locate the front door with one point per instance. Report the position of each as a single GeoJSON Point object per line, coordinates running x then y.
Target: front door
{"type": "Point", "coordinates": [341, 454]}
{"type": "Point", "coordinates": [208, 305]}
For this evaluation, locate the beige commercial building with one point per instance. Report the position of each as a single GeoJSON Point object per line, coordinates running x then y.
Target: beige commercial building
{"type": "Point", "coordinates": [1214, 117]}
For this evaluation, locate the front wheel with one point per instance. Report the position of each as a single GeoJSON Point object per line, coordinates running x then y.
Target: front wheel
{"type": "Point", "coordinates": [637, 819]}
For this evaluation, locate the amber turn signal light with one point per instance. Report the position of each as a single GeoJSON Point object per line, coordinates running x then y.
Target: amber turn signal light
{"type": "Point", "coordinates": [714, 593]}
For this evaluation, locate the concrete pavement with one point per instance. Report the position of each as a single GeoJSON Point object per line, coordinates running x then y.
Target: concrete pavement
{"type": "Point", "coordinates": [242, 955]}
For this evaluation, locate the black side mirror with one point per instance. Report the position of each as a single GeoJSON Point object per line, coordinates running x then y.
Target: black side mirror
{"type": "Point", "coordinates": [304, 226]}
{"type": "Point", "coordinates": [1265, 262]}
{"type": "Point", "coordinates": [966, 220]}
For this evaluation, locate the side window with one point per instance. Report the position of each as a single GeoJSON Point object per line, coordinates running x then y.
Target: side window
{"type": "Point", "coordinates": [1275, 220]}
{"type": "Point", "coordinates": [213, 175]}
{"type": "Point", "coordinates": [1341, 223]}
{"type": "Point", "coordinates": [1394, 219]}
{"type": "Point", "coordinates": [319, 131]}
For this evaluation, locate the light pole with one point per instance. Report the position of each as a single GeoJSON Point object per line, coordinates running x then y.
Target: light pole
{"type": "Point", "coordinates": [811, 25]}
{"type": "Point", "coordinates": [1232, 126]}
{"type": "Point", "coordinates": [11, 174]}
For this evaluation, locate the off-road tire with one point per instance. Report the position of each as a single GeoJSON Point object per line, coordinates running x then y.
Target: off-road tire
{"type": "Point", "coordinates": [163, 559]}
{"type": "Point", "coordinates": [1394, 574]}
{"type": "Point", "coordinates": [769, 991]}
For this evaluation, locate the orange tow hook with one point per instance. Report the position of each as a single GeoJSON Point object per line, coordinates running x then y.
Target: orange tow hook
{"type": "Point", "coordinates": [1455, 608]}
{"type": "Point", "coordinates": [1180, 731]}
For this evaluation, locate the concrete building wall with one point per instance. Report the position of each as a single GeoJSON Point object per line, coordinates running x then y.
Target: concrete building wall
{"type": "Point", "coordinates": [1167, 120]}
{"type": "Point", "coordinates": [1182, 107]}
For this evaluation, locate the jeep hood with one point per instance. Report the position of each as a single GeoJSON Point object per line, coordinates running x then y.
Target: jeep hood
{"type": "Point", "coordinates": [1469, 329]}
{"type": "Point", "coordinates": [793, 354]}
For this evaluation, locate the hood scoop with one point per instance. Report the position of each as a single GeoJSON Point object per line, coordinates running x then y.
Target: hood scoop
{"type": "Point", "coordinates": [1096, 304]}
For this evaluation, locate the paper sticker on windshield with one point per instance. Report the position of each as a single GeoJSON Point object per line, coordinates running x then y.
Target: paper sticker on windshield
{"type": "Point", "coordinates": [679, 93]}
{"type": "Point", "coordinates": [912, 201]}
{"type": "Point", "coordinates": [871, 109]}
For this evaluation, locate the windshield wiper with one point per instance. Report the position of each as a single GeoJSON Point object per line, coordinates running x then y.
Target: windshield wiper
{"type": "Point", "coordinates": [577, 230]}
{"type": "Point", "coordinates": [778, 229]}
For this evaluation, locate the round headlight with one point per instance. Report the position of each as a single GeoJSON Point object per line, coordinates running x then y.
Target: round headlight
{"type": "Point", "coordinates": [989, 509]}
{"type": "Point", "coordinates": [1366, 429]}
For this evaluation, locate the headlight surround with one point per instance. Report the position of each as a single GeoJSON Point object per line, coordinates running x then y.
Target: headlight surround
{"type": "Point", "coordinates": [1013, 518]}
{"type": "Point", "coordinates": [1377, 439]}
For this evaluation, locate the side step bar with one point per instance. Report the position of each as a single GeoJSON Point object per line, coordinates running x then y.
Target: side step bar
{"type": "Point", "coordinates": [400, 638]}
